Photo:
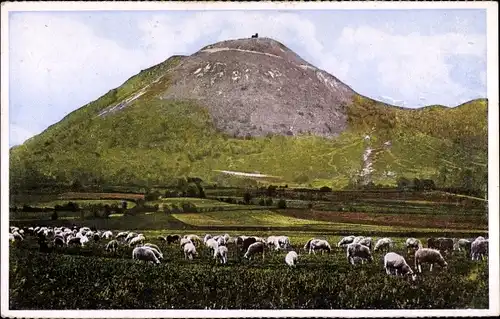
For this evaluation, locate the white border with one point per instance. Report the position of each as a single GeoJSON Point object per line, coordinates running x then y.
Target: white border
{"type": "Point", "coordinates": [493, 150]}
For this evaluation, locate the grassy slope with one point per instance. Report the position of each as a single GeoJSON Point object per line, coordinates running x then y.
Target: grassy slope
{"type": "Point", "coordinates": [154, 141]}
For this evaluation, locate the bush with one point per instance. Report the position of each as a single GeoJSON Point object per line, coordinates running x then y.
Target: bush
{"type": "Point", "coordinates": [269, 202]}
{"type": "Point", "coordinates": [282, 204]}
{"type": "Point", "coordinates": [325, 189]}
{"type": "Point", "coordinates": [247, 197]}
{"type": "Point", "coordinates": [54, 216]}
{"type": "Point", "coordinates": [262, 202]}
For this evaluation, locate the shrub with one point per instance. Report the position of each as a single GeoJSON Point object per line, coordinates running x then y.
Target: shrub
{"type": "Point", "coordinates": [325, 189]}
{"type": "Point", "coordinates": [262, 202]}
{"type": "Point", "coordinates": [54, 215]}
{"type": "Point", "coordinates": [282, 204]}
{"type": "Point", "coordinates": [247, 197]}
{"type": "Point", "coordinates": [269, 202]}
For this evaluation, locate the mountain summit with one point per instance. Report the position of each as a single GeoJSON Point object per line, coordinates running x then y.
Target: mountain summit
{"type": "Point", "coordinates": [251, 105]}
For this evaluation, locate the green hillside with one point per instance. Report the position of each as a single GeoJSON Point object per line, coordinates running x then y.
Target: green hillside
{"type": "Point", "coordinates": [154, 141]}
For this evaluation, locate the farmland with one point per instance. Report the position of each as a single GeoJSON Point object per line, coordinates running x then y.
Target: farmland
{"type": "Point", "coordinates": [45, 280]}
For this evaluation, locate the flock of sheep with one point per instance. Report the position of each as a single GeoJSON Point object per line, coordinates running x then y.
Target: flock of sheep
{"type": "Point", "coordinates": [357, 248]}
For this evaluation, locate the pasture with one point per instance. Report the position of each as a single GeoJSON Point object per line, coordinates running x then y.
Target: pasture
{"type": "Point", "coordinates": [91, 278]}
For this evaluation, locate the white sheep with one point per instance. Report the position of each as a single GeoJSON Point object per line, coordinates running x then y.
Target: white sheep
{"type": "Point", "coordinates": [112, 245]}
{"type": "Point", "coordinates": [221, 241]}
{"type": "Point", "coordinates": [194, 238]}
{"type": "Point", "coordinates": [145, 254]}
{"type": "Point", "coordinates": [366, 241]}
{"type": "Point", "coordinates": [257, 247]}
{"type": "Point", "coordinates": [429, 256]}
{"type": "Point", "coordinates": [479, 249]}
{"type": "Point", "coordinates": [360, 251]}
{"type": "Point", "coordinates": [384, 244]}
{"type": "Point", "coordinates": [345, 241]}
{"type": "Point", "coordinates": [396, 264]}
{"type": "Point", "coordinates": [139, 239]}
{"type": "Point", "coordinates": [463, 244]}
{"type": "Point", "coordinates": [130, 236]}
{"type": "Point", "coordinates": [185, 241]}
{"type": "Point", "coordinates": [212, 245]}
{"type": "Point", "coordinates": [121, 235]}
{"type": "Point", "coordinates": [413, 244]}
{"type": "Point", "coordinates": [291, 258]}
{"type": "Point", "coordinates": [357, 239]}
{"type": "Point", "coordinates": [107, 234]}
{"type": "Point", "coordinates": [317, 244]}
{"type": "Point", "coordinates": [221, 254]}
{"type": "Point", "coordinates": [189, 250]}
{"type": "Point", "coordinates": [157, 252]}
{"type": "Point", "coordinates": [17, 236]}
{"type": "Point", "coordinates": [207, 237]}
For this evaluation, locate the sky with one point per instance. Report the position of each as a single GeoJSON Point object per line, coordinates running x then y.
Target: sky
{"type": "Point", "coordinates": [60, 61]}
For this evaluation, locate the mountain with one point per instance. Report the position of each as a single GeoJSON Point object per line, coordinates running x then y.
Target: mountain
{"type": "Point", "coordinates": [252, 105]}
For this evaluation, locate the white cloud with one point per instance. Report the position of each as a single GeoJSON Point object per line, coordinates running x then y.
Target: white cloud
{"type": "Point", "coordinates": [18, 134]}
{"type": "Point", "coordinates": [413, 66]}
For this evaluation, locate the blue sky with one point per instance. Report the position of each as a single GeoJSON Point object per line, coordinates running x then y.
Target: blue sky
{"type": "Point", "coordinates": [59, 61]}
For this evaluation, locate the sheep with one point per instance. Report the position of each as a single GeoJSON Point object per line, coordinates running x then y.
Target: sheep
{"type": "Point", "coordinates": [84, 240]}
{"type": "Point", "coordinates": [107, 235]}
{"type": "Point", "coordinates": [360, 251]}
{"type": "Point", "coordinates": [11, 238]}
{"type": "Point", "coordinates": [17, 236]}
{"type": "Point", "coordinates": [479, 248]}
{"type": "Point", "coordinates": [345, 241]}
{"type": "Point", "coordinates": [157, 252]}
{"type": "Point", "coordinates": [357, 239]}
{"type": "Point", "coordinates": [96, 237]}
{"type": "Point", "coordinates": [413, 244]}
{"type": "Point", "coordinates": [130, 236]}
{"type": "Point", "coordinates": [137, 240]}
{"type": "Point", "coordinates": [430, 256]}
{"type": "Point", "coordinates": [384, 244]}
{"type": "Point", "coordinates": [74, 241]}
{"type": "Point", "coordinates": [162, 238]}
{"type": "Point", "coordinates": [172, 238]}
{"type": "Point", "coordinates": [112, 246]}
{"type": "Point", "coordinates": [314, 244]}
{"type": "Point", "coordinates": [185, 241]}
{"type": "Point", "coordinates": [221, 254]}
{"type": "Point", "coordinates": [444, 244]}
{"type": "Point", "coordinates": [194, 238]}
{"type": "Point", "coordinates": [58, 241]}
{"type": "Point", "coordinates": [367, 241]}
{"type": "Point", "coordinates": [283, 242]}
{"type": "Point", "coordinates": [121, 235]}
{"type": "Point", "coordinates": [207, 237]}
{"type": "Point", "coordinates": [255, 35]}
{"type": "Point", "coordinates": [227, 237]}
{"type": "Point", "coordinates": [396, 263]}
{"type": "Point", "coordinates": [152, 245]}
{"type": "Point", "coordinates": [189, 250]}
{"type": "Point", "coordinates": [257, 247]}
{"type": "Point", "coordinates": [212, 245]}
{"type": "Point", "coordinates": [145, 254]}
{"type": "Point", "coordinates": [291, 259]}
{"type": "Point", "coordinates": [247, 242]}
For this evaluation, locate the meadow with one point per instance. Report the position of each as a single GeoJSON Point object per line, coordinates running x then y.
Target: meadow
{"type": "Point", "coordinates": [91, 278]}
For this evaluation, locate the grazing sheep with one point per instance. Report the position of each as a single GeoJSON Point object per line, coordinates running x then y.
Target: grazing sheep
{"type": "Point", "coordinates": [207, 237]}
{"type": "Point", "coordinates": [17, 236]}
{"type": "Point", "coordinates": [212, 245]}
{"type": "Point", "coordinates": [194, 238]}
{"type": "Point", "coordinates": [445, 244]}
{"type": "Point", "coordinates": [291, 259]}
{"type": "Point", "coordinates": [172, 238]}
{"type": "Point", "coordinates": [185, 241]}
{"type": "Point", "coordinates": [145, 254]}
{"type": "Point", "coordinates": [152, 245]}
{"type": "Point", "coordinates": [479, 248]}
{"type": "Point", "coordinates": [58, 241]}
{"type": "Point", "coordinates": [396, 264]}
{"type": "Point", "coordinates": [157, 252]}
{"type": "Point", "coordinates": [121, 235]}
{"type": "Point", "coordinates": [412, 244]}
{"type": "Point", "coordinates": [367, 241]}
{"type": "Point", "coordinates": [139, 239]}
{"type": "Point", "coordinates": [317, 244]}
{"type": "Point", "coordinates": [429, 256]}
{"type": "Point", "coordinates": [107, 235]}
{"type": "Point", "coordinates": [255, 248]}
{"type": "Point", "coordinates": [84, 240]}
{"type": "Point", "coordinates": [433, 243]}
{"type": "Point", "coordinates": [130, 236]}
{"type": "Point", "coordinates": [221, 254]}
{"type": "Point", "coordinates": [360, 251]}
{"type": "Point", "coordinates": [357, 239]}
{"type": "Point", "coordinates": [96, 237]}
{"type": "Point", "coordinates": [247, 242]}
{"type": "Point", "coordinates": [384, 244]}
{"type": "Point", "coordinates": [162, 238]}
{"type": "Point", "coordinates": [189, 250]}
{"type": "Point", "coordinates": [112, 246]}
{"type": "Point", "coordinates": [227, 237]}
{"type": "Point", "coordinates": [345, 241]}
{"type": "Point", "coordinates": [74, 241]}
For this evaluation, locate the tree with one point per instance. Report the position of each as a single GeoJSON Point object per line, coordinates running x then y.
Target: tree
{"type": "Point", "coordinates": [54, 215]}
{"type": "Point", "coordinates": [282, 204]}
{"type": "Point", "coordinates": [247, 197]}
{"type": "Point", "coordinates": [403, 183]}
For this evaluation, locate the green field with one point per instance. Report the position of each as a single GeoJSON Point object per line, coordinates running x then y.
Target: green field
{"type": "Point", "coordinates": [90, 278]}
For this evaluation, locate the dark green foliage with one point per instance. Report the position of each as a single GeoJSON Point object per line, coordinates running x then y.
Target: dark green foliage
{"type": "Point", "coordinates": [269, 201]}
{"type": "Point", "coordinates": [282, 204]}
{"type": "Point", "coordinates": [262, 202]}
{"type": "Point", "coordinates": [247, 197]}
{"type": "Point", "coordinates": [325, 189]}
{"type": "Point", "coordinates": [54, 215]}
